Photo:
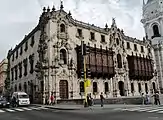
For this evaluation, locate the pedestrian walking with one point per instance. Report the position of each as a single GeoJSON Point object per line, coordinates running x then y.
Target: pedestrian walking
{"type": "Point", "coordinates": [52, 99]}
{"type": "Point", "coordinates": [143, 98]}
{"type": "Point", "coordinates": [88, 100]}
{"type": "Point", "coordinates": [157, 99]}
{"type": "Point", "coordinates": [147, 99]}
{"type": "Point", "coordinates": [102, 99]}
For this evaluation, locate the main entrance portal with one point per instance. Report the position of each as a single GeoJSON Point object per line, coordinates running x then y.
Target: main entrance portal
{"type": "Point", "coordinates": [63, 89]}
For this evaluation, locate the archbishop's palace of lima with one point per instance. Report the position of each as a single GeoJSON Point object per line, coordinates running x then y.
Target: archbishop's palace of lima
{"type": "Point", "coordinates": [48, 59]}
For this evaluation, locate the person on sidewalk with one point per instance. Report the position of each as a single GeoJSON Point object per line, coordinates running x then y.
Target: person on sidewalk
{"type": "Point", "coordinates": [52, 99]}
{"type": "Point", "coordinates": [147, 99]}
{"type": "Point", "coordinates": [102, 99]}
{"type": "Point", "coordinates": [143, 98]}
{"type": "Point", "coordinates": [157, 99]}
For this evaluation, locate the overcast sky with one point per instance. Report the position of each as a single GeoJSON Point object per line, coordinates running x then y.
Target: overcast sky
{"type": "Point", "coordinates": [19, 17]}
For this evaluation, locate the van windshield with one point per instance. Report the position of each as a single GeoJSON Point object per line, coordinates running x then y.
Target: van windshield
{"type": "Point", "coordinates": [23, 96]}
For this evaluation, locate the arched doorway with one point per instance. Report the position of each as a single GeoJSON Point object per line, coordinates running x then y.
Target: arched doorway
{"type": "Point", "coordinates": [63, 89]}
{"type": "Point", "coordinates": [121, 88]}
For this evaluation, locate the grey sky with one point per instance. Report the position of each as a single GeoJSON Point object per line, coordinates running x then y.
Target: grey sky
{"type": "Point", "coordinates": [19, 17]}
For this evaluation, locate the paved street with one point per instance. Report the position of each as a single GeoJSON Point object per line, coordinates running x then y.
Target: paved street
{"type": "Point", "coordinates": [41, 113]}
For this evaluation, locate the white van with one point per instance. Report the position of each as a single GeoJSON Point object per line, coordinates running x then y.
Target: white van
{"type": "Point", "coordinates": [22, 98]}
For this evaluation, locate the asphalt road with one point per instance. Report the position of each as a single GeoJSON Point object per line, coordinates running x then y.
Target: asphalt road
{"type": "Point", "coordinates": [48, 114]}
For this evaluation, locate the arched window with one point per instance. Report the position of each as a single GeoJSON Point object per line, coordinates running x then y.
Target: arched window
{"type": "Point", "coordinates": [62, 28]}
{"type": "Point", "coordinates": [132, 87]}
{"type": "Point", "coordinates": [146, 87]}
{"type": "Point", "coordinates": [81, 86]}
{"type": "Point", "coordinates": [94, 87]}
{"type": "Point", "coordinates": [119, 60]}
{"type": "Point", "coordinates": [106, 87]}
{"type": "Point", "coordinates": [156, 31]}
{"type": "Point", "coordinates": [139, 87]}
{"type": "Point", "coordinates": [63, 56]}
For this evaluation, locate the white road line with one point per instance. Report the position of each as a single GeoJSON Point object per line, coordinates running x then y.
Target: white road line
{"type": "Point", "coordinates": [154, 110]}
{"type": "Point", "coordinates": [26, 109]}
{"type": "Point", "coordinates": [35, 108]}
{"type": "Point", "coordinates": [10, 110]}
{"type": "Point", "coordinates": [161, 112]}
{"type": "Point", "coordinates": [43, 108]}
{"type": "Point", "coordinates": [18, 109]}
{"type": "Point", "coordinates": [1, 111]}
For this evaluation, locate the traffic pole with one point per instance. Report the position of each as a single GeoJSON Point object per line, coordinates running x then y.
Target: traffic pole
{"type": "Point", "coordinates": [85, 86]}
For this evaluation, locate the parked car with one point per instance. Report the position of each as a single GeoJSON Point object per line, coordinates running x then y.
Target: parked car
{"type": "Point", "coordinates": [4, 102]}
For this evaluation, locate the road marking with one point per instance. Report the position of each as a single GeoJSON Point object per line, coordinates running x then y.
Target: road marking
{"type": "Point", "coordinates": [154, 110]}
{"type": "Point", "coordinates": [26, 109]}
{"type": "Point", "coordinates": [18, 109]}
{"type": "Point", "coordinates": [9, 110]}
{"type": "Point", "coordinates": [43, 108]}
{"type": "Point", "coordinates": [160, 112]}
{"type": "Point", "coordinates": [1, 111]}
{"type": "Point", "coordinates": [34, 108]}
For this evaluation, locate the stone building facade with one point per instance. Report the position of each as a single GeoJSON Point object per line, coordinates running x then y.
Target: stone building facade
{"type": "Point", "coordinates": [48, 60]}
{"type": "Point", "coordinates": [153, 24]}
{"type": "Point", "coordinates": [3, 74]}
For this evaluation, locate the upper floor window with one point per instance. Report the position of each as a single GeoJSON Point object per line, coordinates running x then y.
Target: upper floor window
{"type": "Point", "coordinates": [117, 41]}
{"type": "Point", "coordinates": [63, 56]}
{"type": "Point", "coordinates": [102, 38]}
{"type": "Point", "coordinates": [12, 74]}
{"type": "Point", "coordinates": [62, 28]}
{"type": "Point", "coordinates": [16, 72]}
{"type": "Point", "coordinates": [20, 69]}
{"type": "Point", "coordinates": [25, 63]}
{"type": "Point", "coordinates": [135, 47]}
{"type": "Point", "coordinates": [13, 57]}
{"type": "Point", "coordinates": [119, 60]}
{"type": "Point", "coordinates": [92, 35]}
{"type": "Point", "coordinates": [128, 45]}
{"type": "Point", "coordinates": [79, 32]}
{"type": "Point", "coordinates": [32, 41]}
{"type": "Point", "coordinates": [16, 53]}
{"type": "Point", "coordinates": [142, 49]}
{"type": "Point", "coordinates": [26, 46]}
{"type": "Point", "coordinates": [21, 50]}
{"type": "Point", "coordinates": [31, 61]}
{"type": "Point", "coordinates": [155, 31]}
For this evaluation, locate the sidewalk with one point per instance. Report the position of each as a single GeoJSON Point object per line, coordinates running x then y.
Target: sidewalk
{"type": "Point", "coordinates": [81, 107]}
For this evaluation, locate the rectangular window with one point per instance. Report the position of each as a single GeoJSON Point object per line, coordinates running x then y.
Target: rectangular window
{"type": "Point", "coordinates": [32, 41]}
{"type": "Point", "coordinates": [135, 47]}
{"type": "Point", "coordinates": [13, 57]}
{"type": "Point", "coordinates": [128, 45]}
{"type": "Point", "coordinates": [16, 53]}
{"type": "Point", "coordinates": [26, 46]}
{"type": "Point", "coordinates": [102, 38]}
{"type": "Point", "coordinates": [92, 36]}
{"type": "Point", "coordinates": [142, 49]}
{"type": "Point", "coordinates": [21, 50]}
{"type": "Point", "coordinates": [80, 32]}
